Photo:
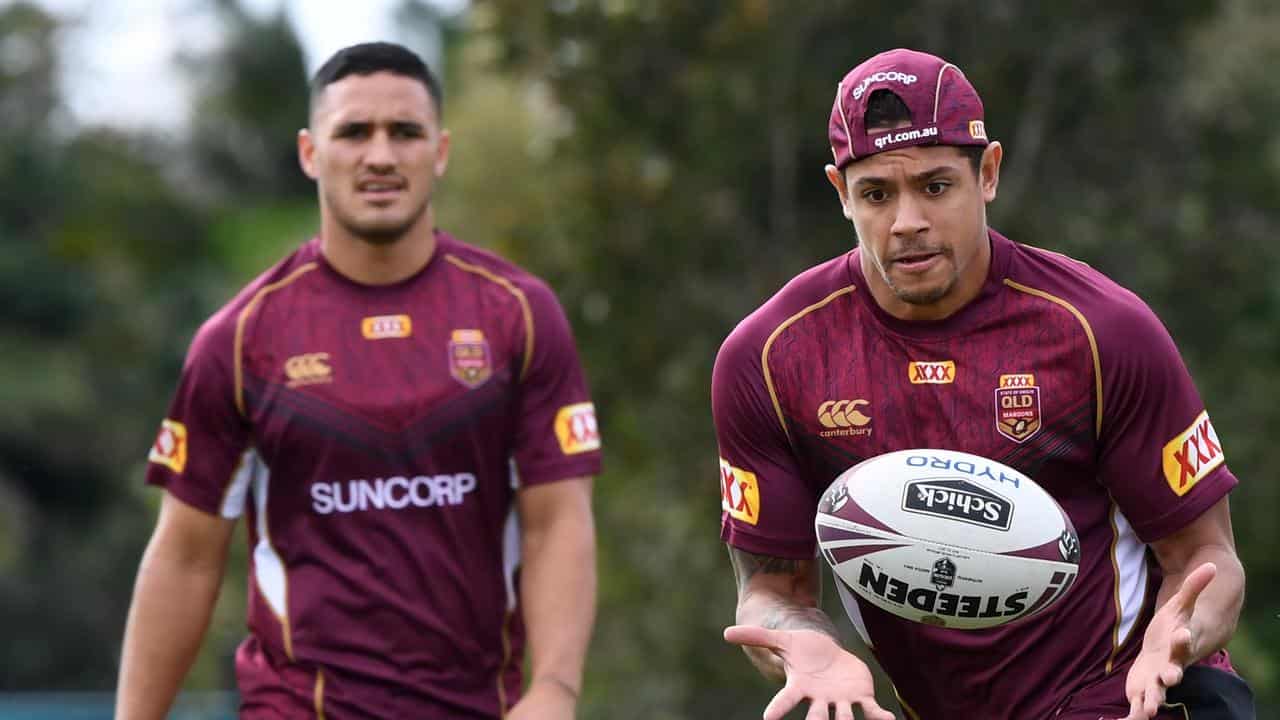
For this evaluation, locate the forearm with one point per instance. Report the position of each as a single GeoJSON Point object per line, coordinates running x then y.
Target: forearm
{"type": "Point", "coordinates": [558, 593]}
{"type": "Point", "coordinates": [168, 616]}
{"type": "Point", "coordinates": [1217, 610]}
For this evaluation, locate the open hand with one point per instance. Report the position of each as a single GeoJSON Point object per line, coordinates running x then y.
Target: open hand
{"type": "Point", "coordinates": [818, 670]}
{"type": "Point", "coordinates": [1168, 646]}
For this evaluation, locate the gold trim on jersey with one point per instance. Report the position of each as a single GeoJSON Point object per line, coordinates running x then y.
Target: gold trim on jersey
{"type": "Point", "coordinates": [1115, 575]}
{"type": "Point", "coordinates": [244, 317]}
{"type": "Point", "coordinates": [511, 288]}
{"type": "Point", "coordinates": [1088, 331]}
{"type": "Point", "coordinates": [764, 354]}
{"type": "Point", "coordinates": [506, 660]}
{"type": "Point", "coordinates": [1186, 712]}
{"type": "Point", "coordinates": [319, 695]}
{"type": "Point", "coordinates": [910, 711]}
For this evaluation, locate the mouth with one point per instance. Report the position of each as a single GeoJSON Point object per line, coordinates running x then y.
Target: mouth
{"type": "Point", "coordinates": [380, 191]}
{"type": "Point", "coordinates": [916, 262]}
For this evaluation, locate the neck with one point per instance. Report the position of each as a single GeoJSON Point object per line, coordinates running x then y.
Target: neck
{"type": "Point", "coordinates": [373, 263]}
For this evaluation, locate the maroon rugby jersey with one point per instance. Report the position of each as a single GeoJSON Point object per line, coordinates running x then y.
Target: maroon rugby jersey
{"type": "Point", "coordinates": [1054, 370]}
{"type": "Point", "coordinates": [375, 437]}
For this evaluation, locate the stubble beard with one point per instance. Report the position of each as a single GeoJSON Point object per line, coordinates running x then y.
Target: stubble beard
{"type": "Point", "coordinates": [380, 233]}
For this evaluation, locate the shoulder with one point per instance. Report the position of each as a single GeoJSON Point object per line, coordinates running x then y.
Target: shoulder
{"type": "Point", "coordinates": [219, 331]}
{"type": "Point", "coordinates": [1114, 316]}
{"type": "Point", "coordinates": [489, 267]}
{"type": "Point", "coordinates": [806, 293]}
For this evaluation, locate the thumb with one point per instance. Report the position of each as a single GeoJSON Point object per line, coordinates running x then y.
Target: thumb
{"type": "Point", "coordinates": [1194, 584]}
{"type": "Point", "coordinates": [755, 636]}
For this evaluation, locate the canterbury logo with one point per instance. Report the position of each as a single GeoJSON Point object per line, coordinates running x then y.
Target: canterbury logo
{"type": "Point", "coordinates": [842, 413]}
{"type": "Point", "coordinates": [932, 373]}
{"type": "Point", "coordinates": [308, 369]}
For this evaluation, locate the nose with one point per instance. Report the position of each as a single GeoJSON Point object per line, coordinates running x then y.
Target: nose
{"type": "Point", "coordinates": [910, 219]}
{"type": "Point", "coordinates": [380, 156]}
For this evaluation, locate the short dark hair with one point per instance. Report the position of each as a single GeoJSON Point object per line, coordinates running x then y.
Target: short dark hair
{"type": "Point", "coordinates": [885, 111]}
{"type": "Point", "coordinates": [373, 57]}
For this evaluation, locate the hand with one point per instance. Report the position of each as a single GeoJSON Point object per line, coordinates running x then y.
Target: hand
{"type": "Point", "coordinates": [1168, 646]}
{"type": "Point", "coordinates": [818, 670]}
{"type": "Point", "coordinates": [546, 699]}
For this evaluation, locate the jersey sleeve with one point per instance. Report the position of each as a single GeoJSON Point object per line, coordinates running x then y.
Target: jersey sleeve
{"type": "Point", "coordinates": [199, 449]}
{"type": "Point", "coordinates": [1159, 455]}
{"type": "Point", "coordinates": [556, 436]}
{"type": "Point", "coordinates": [766, 507]}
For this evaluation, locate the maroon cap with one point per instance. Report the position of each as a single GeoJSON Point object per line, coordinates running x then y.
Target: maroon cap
{"type": "Point", "coordinates": [945, 109]}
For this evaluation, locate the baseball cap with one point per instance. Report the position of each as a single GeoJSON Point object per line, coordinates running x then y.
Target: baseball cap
{"type": "Point", "coordinates": [944, 107]}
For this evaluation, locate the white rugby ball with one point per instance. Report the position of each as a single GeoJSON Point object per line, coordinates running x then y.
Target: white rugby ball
{"type": "Point", "coordinates": [947, 538]}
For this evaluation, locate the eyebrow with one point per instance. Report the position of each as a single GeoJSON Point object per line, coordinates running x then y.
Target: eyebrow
{"type": "Point", "coordinates": [916, 178]}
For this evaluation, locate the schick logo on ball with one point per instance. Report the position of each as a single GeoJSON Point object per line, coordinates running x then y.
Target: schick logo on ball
{"type": "Point", "coordinates": [958, 499]}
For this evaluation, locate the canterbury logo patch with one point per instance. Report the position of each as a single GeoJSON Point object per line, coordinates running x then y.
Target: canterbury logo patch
{"type": "Point", "coordinates": [308, 369]}
{"type": "Point", "coordinates": [1192, 455]}
{"type": "Point", "coordinates": [932, 373]}
{"type": "Point", "coordinates": [842, 413]}
{"type": "Point", "coordinates": [170, 448]}
{"type": "Point", "coordinates": [739, 493]}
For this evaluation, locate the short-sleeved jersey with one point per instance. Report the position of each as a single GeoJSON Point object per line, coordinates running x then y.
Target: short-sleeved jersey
{"type": "Point", "coordinates": [1054, 370]}
{"type": "Point", "coordinates": [376, 437]}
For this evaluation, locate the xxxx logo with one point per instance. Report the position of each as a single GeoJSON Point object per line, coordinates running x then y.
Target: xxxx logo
{"type": "Point", "coordinates": [739, 493]}
{"type": "Point", "coordinates": [932, 373]}
{"type": "Point", "coordinates": [1192, 455]}
{"type": "Point", "coordinates": [308, 369]}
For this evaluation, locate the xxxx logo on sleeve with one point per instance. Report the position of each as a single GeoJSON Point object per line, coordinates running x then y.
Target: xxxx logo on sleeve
{"type": "Point", "coordinates": [739, 493]}
{"type": "Point", "coordinates": [170, 448]}
{"type": "Point", "coordinates": [1192, 455]}
{"type": "Point", "coordinates": [576, 428]}
{"type": "Point", "coordinates": [932, 373]}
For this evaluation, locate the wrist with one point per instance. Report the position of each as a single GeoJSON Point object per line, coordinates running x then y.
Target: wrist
{"type": "Point", "coordinates": [562, 686]}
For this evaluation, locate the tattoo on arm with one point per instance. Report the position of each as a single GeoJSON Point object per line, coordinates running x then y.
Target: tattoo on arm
{"type": "Point", "coordinates": [797, 591]}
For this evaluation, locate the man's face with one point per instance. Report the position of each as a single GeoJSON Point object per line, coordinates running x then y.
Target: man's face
{"type": "Point", "coordinates": [375, 149]}
{"type": "Point", "coordinates": [920, 216]}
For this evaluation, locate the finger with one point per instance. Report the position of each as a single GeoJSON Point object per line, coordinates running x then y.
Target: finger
{"type": "Point", "coordinates": [1151, 700]}
{"type": "Point", "coordinates": [1194, 584]}
{"type": "Point", "coordinates": [844, 711]}
{"type": "Point", "coordinates": [782, 703]}
{"type": "Point", "coordinates": [754, 635]}
{"type": "Point", "coordinates": [818, 711]}
{"type": "Point", "coordinates": [1180, 645]}
{"type": "Point", "coordinates": [871, 710]}
{"type": "Point", "coordinates": [1171, 675]}
{"type": "Point", "coordinates": [1135, 707]}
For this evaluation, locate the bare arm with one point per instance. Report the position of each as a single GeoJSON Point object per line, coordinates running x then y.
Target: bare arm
{"type": "Point", "coordinates": [1208, 539]}
{"type": "Point", "coordinates": [557, 584]}
{"type": "Point", "coordinates": [173, 599]}
{"type": "Point", "coordinates": [778, 594]}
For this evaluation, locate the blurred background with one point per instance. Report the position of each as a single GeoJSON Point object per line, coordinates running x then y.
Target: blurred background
{"type": "Point", "coordinates": [660, 163]}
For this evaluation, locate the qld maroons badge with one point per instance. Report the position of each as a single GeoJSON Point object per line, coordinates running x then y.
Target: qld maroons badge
{"type": "Point", "coordinates": [470, 361]}
{"type": "Point", "coordinates": [1018, 407]}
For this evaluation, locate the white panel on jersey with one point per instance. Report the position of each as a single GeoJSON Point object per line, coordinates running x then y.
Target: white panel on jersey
{"type": "Point", "coordinates": [851, 609]}
{"type": "Point", "coordinates": [267, 565]}
{"type": "Point", "coordinates": [238, 491]}
{"type": "Point", "coordinates": [511, 543]}
{"type": "Point", "coordinates": [1131, 564]}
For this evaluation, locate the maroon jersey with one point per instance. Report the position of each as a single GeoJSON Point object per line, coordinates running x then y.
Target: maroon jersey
{"type": "Point", "coordinates": [1054, 370]}
{"type": "Point", "coordinates": [375, 437]}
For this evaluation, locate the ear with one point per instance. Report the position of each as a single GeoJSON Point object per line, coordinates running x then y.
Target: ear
{"type": "Point", "coordinates": [442, 154]}
{"type": "Point", "coordinates": [836, 176]}
{"type": "Point", "coordinates": [989, 172]}
{"type": "Point", "coordinates": [307, 153]}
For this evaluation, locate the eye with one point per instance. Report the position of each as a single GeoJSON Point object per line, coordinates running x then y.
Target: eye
{"type": "Point", "coordinates": [937, 187]}
{"type": "Point", "coordinates": [407, 130]}
{"type": "Point", "coordinates": [875, 195]}
{"type": "Point", "coordinates": [352, 131]}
